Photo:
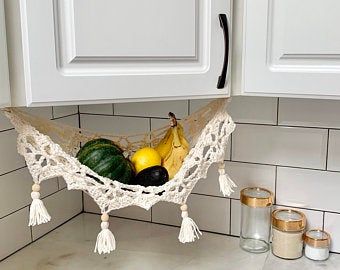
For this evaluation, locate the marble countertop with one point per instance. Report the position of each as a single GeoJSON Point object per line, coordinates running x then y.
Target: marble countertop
{"type": "Point", "coordinates": [142, 245]}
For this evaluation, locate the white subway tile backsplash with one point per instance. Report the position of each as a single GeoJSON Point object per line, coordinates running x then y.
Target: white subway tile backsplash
{"type": "Point", "coordinates": [332, 225]}
{"type": "Point", "coordinates": [334, 151]}
{"type": "Point", "coordinates": [97, 109]}
{"type": "Point", "coordinates": [305, 188]}
{"type": "Point", "coordinates": [196, 104]}
{"type": "Point", "coordinates": [4, 122]}
{"type": "Point", "coordinates": [250, 175]}
{"type": "Point", "coordinates": [9, 157]}
{"type": "Point", "coordinates": [114, 124]}
{"type": "Point", "coordinates": [69, 120]}
{"type": "Point", "coordinates": [43, 112]}
{"type": "Point", "coordinates": [257, 110]}
{"type": "Point", "coordinates": [61, 183]}
{"type": "Point", "coordinates": [134, 212]}
{"type": "Point", "coordinates": [167, 213]}
{"type": "Point", "coordinates": [309, 112]}
{"type": "Point", "coordinates": [153, 109]}
{"type": "Point", "coordinates": [209, 213]}
{"type": "Point", "coordinates": [210, 185]}
{"type": "Point", "coordinates": [15, 190]}
{"type": "Point", "coordinates": [60, 111]}
{"type": "Point", "coordinates": [246, 109]}
{"type": "Point", "coordinates": [235, 224]}
{"type": "Point", "coordinates": [14, 232]}
{"type": "Point", "coordinates": [62, 206]}
{"type": "Point", "coordinates": [159, 123]}
{"type": "Point", "coordinates": [243, 174]}
{"type": "Point", "coordinates": [297, 147]}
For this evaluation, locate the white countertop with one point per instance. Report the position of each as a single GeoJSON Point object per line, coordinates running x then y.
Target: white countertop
{"type": "Point", "coordinates": [142, 245]}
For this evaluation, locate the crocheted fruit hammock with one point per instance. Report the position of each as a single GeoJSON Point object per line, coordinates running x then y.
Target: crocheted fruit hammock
{"type": "Point", "coordinates": [49, 149]}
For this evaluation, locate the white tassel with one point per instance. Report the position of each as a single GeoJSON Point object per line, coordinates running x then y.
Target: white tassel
{"type": "Point", "coordinates": [189, 230]}
{"type": "Point", "coordinates": [106, 241]}
{"type": "Point", "coordinates": [38, 212]}
{"type": "Point", "coordinates": [226, 184]}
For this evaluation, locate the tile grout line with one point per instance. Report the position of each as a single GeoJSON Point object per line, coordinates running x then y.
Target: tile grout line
{"type": "Point", "coordinates": [231, 147]}
{"type": "Point", "coordinates": [1, 260]}
{"type": "Point", "coordinates": [327, 149]}
{"type": "Point", "coordinates": [7, 129]}
{"type": "Point", "coordinates": [323, 220]}
{"type": "Point", "coordinates": [189, 105]}
{"type": "Point", "coordinates": [64, 116]}
{"type": "Point", "coordinates": [21, 208]}
{"type": "Point", "coordinates": [275, 184]}
{"type": "Point", "coordinates": [282, 166]}
{"type": "Point", "coordinates": [277, 110]}
{"type": "Point", "coordinates": [17, 169]}
{"type": "Point", "coordinates": [230, 208]}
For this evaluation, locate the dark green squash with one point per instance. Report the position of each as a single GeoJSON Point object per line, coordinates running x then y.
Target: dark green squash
{"type": "Point", "coordinates": [84, 150]}
{"type": "Point", "coordinates": [106, 159]}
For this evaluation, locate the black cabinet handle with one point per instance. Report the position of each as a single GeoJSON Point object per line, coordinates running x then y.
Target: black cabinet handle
{"type": "Point", "coordinates": [224, 25]}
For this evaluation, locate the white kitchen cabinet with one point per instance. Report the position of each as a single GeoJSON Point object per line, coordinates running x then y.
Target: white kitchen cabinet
{"type": "Point", "coordinates": [287, 48]}
{"type": "Point", "coordinates": [100, 51]}
{"type": "Point", "coordinates": [4, 79]}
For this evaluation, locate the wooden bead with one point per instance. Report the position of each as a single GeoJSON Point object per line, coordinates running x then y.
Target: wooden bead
{"type": "Point", "coordinates": [105, 217]}
{"type": "Point", "coordinates": [184, 207]}
{"type": "Point", "coordinates": [36, 187]}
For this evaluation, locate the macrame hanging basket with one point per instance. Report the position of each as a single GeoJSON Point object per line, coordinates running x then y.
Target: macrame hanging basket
{"type": "Point", "coordinates": [49, 149]}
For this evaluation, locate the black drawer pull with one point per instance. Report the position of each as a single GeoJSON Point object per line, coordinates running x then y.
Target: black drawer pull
{"type": "Point", "coordinates": [224, 25]}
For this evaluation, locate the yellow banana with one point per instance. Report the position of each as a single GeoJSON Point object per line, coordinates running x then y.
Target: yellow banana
{"type": "Point", "coordinates": [179, 150]}
{"type": "Point", "coordinates": [165, 145]}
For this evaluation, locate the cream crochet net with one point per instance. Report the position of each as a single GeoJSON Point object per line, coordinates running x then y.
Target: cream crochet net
{"type": "Point", "coordinates": [49, 149]}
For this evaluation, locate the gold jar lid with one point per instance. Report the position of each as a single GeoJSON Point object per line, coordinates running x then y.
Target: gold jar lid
{"type": "Point", "coordinates": [256, 197]}
{"type": "Point", "coordinates": [317, 238]}
{"type": "Point", "coordinates": [288, 220]}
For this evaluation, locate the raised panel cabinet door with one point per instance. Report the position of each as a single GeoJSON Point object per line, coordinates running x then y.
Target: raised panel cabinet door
{"type": "Point", "coordinates": [92, 51]}
{"type": "Point", "coordinates": [4, 79]}
{"type": "Point", "coordinates": [292, 48]}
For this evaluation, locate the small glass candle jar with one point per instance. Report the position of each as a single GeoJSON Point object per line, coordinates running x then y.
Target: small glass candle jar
{"type": "Point", "coordinates": [317, 244]}
{"type": "Point", "coordinates": [256, 206]}
{"type": "Point", "coordinates": [288, 227]}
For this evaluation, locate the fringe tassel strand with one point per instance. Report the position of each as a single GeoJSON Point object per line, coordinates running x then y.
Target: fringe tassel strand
{"type": "Point", "coordinates": [38, 212]}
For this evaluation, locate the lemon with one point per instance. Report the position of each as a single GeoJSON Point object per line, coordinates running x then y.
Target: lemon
{"type": "Point", "coordinates": [144, 158]}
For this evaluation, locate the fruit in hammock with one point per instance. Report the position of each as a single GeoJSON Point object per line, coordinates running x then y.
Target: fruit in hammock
{"type": "Point", "coordinates": [144, 158]}
{"type": "Point", "coordinates": [153, 176]}
{"type": "Point", "coordinates": [178, 151]}
{"type": "Point", "coordinates": [106, 159]}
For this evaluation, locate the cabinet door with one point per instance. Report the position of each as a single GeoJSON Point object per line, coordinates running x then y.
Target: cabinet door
{"type": "Point", "coordinates": [82, 51]}
{"type": "Point", "coordinates": [292, 48]}
{"type": "Point", "coordinates": [4, 80]}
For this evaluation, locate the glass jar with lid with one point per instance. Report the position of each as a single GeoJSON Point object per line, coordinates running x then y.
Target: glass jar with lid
{"type": "Point", "coordinates": [317, 243]}
{"type": "Point", "coordinates": [288, 228]}
{"type": "Point", "coordinates": [256, 206]}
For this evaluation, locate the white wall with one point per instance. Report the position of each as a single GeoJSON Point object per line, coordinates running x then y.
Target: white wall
{"type": "Point", "coordinates": [16, 183]}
